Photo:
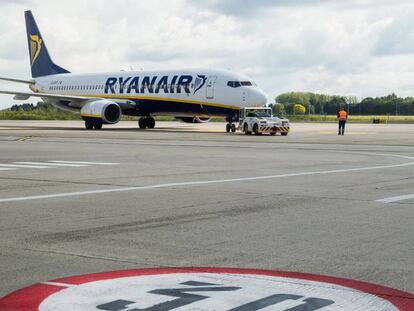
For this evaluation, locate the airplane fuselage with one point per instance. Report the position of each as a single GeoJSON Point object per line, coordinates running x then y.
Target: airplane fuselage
{"type": "Point", "coordinates": [186, 92]}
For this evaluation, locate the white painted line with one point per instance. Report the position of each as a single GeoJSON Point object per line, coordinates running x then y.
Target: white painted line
{"type": "Point", "coordinates": [51, 164]}
{"type": "Point", "coordinates": [58, 284]}
{"type": "Point", "coordinates": [205, 182]}
{"type": "Point", "coordinates": [7, 169]}
{"type": "Point", "coordinates": [24, 166]}
{"type": "Point", "coordinates": [396, 199]}
{"type": "Point", "coordinates": [82, 162]}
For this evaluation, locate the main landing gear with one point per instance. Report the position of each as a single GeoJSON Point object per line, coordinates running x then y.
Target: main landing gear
{"type": "Point", "coordinates": [89, 124]}
{"type": "Point", "coordinates": [146, 122]}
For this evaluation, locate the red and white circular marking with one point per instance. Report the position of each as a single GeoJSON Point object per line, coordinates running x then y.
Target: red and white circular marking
{"type": "Point", "coordinates": [205, 289]}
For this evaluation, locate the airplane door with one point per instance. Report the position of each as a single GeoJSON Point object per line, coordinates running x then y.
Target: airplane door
{"type": "Point", "coordinates": [210, 87]}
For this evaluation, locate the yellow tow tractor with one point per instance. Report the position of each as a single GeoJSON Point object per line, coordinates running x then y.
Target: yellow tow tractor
{"type": "Point", "coordinates": [260, 120]}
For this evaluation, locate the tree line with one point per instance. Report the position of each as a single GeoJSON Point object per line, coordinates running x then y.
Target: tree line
{"type": "Point", "coordinates": [31, 107]}
{"type": "Point", "coordinates": [330, 104]}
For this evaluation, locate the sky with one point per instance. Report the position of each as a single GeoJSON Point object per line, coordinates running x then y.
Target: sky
{"type": "Point", "coordinates": [354, 47]}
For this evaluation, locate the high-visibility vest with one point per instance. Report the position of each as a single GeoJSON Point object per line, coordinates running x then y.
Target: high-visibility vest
{"type": "Point", "coordinates": [342, 115]}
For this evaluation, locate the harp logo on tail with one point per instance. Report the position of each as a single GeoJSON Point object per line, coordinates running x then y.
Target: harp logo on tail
{"type": "Point", "coordinates": [35, 47]}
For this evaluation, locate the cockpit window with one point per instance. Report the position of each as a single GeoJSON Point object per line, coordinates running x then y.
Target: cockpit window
{"type": "Point", "coordinates": [246, 83]}
{"type": "Point", "coordinates": [239, 83]}
{"type": "Point", "coordinates": [233, 83]}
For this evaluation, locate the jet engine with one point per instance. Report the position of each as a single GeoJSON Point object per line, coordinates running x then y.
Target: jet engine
{"type": "Point", "coordinates": [194, 119]}
{"type": "Point", "coordinates": [105, 111]}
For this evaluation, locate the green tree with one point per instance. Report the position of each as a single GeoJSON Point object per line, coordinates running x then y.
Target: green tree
{"type": "Point", "coordinates": [278, 109]}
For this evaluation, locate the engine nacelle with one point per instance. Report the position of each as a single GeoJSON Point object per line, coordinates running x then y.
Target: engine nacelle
{"type": "Point", "coordinates": [194, 119]}
{"type": "Point", "coordinates": [107, 111]}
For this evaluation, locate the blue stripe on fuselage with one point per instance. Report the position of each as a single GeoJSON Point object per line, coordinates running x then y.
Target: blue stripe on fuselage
{"type": "Point", "coordinates": [153, 106]}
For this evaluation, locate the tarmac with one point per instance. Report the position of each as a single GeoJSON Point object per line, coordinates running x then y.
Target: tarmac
{"type": "Point", "coordinates": [74, 201]}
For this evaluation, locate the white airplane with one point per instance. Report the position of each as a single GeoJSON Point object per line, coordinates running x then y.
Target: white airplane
{"type": "Point", "coordinates": [191, 95]}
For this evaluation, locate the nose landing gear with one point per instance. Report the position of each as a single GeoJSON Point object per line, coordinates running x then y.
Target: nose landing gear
{"type": "Point", "coordinates": [230, 126]}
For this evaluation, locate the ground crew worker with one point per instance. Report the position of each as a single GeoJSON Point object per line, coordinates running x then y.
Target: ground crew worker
{"type": "Point", "coordinates": [342, 117]}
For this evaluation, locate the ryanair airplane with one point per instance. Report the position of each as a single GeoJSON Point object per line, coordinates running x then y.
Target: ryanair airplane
{"type": "Point", "coordinates": [191, 95]}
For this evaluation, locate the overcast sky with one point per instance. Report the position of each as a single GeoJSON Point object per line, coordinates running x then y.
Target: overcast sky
{"type": "Point", "coordinates": [353, 47]}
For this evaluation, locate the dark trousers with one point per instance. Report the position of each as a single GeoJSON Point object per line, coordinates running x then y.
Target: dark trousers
{"type": "Point", "coordinates": [341, 130]}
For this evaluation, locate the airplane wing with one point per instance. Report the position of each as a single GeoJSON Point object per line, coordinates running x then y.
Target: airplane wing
{"type": "Point", "coordinates": [68, 101]}
{"type": "Point", "coordinates": [27, 95]}
{"type": "Point", "coordinates": [17, 80]}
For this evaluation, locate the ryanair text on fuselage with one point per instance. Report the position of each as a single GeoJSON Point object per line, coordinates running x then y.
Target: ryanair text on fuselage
{"type": "Point", "coordinates": [154, 84]}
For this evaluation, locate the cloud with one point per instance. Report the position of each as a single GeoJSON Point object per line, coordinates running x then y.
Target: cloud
{"type": "Point", "coordinates": [256, 8]}
{"type": "Point", "coordinates": [360, 47]}
{"type": "Point", "coordinates": [250, 8]}
{"type": "Point", "coordinates": [397, 38]}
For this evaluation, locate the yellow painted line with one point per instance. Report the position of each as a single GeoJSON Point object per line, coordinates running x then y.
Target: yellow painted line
{"type": "Point", "coordinates": [24, 138]}
{"type": "Point", "coordinates": [346, 133]}
{"type": "Point", "coordinates": [178, 100]}
{"type": "Point", "coordinates": [90, 115]}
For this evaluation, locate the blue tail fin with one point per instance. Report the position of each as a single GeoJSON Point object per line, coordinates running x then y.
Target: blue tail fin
{"type": "Point", "coordinates": [40, 61]}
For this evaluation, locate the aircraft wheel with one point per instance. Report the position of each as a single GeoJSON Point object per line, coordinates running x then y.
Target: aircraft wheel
{"type": "Point", "coordinates": [97, 126]}
{"type": "Point", "coordinates": [142, 123]}
{"type": "Point", "coordinates": [233, 128]}
{"type": "Point", "coordinates": [150, 123]}
{"type": "Point", "coordinates": [88, 125]}
{"type": "Point", "coordinates": [228, 127]}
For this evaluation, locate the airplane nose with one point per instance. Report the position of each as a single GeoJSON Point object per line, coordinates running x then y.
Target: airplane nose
{"type": "Point", "coordinates": [259, 98]}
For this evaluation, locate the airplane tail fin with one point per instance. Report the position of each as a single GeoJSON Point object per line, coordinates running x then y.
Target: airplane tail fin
{"type": "Point", "coordinates": [40, 61]}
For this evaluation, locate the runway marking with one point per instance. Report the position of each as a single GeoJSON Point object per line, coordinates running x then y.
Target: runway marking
{"type": "Point", "coordinates": [82, 162]}
{"type": "Point", "coordinates": [52, 164]}
{"type": "Point", "coordinates": [396, 199]}
{"type": "Point", "coordinates": [16, 166]}
{"type": "Point", "coordinates": [217, 181]}
{"type": "Point", "coordinates": [58, 284]}
{"type": "Point", "coordinates": [49, 164]}
{"type": "Point", "coordinates": [206, 288]}
{"type": "Point", "coordinates": [7, 169]}
{"type": "Point", "coordinates": [24, 138]}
